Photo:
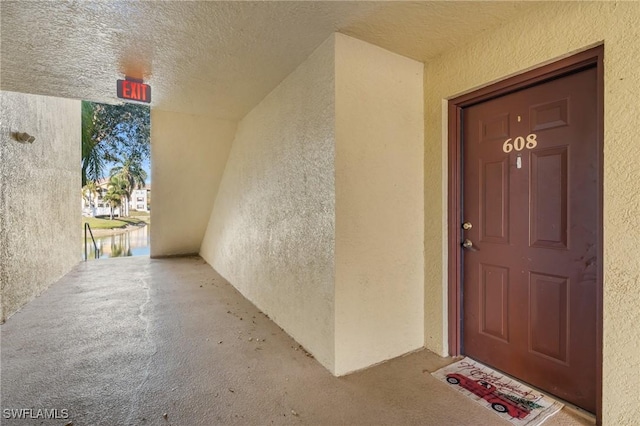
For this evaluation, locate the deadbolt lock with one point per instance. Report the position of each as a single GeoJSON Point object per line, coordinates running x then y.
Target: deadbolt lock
{"type": "Point", "coordinates": [466, 226]}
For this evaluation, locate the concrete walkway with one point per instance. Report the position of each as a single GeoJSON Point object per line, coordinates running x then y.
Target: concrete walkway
{"type": "Point", "coordinates": [127, 341]}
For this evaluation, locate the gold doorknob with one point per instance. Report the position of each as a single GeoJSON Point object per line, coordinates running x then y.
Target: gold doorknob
{"type": "Point", "coordinates": [466, 226]}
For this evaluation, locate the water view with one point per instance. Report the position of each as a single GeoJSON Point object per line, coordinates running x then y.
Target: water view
{"type": "Point", "coordinates": [131, 243]}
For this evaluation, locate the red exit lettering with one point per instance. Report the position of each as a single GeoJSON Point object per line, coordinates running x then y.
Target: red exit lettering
{"type": "Point", "coordinates": [134, 90]}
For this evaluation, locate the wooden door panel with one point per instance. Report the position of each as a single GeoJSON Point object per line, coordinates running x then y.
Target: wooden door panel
{"type": "Point", "coordinates": [494, 205]}
{"type": "Point", "coordinates": [549, 115]}
{"type": "Point", "coordinates": [529, 286]}
{"type": "Point", "coordinates": [549, 316]}
{"type": "Point", "coordinates": [494, 301]}
{"type": "Point", "coordinates": [494, 128]}
{"type": "Point", "coordinates": [548, 208]}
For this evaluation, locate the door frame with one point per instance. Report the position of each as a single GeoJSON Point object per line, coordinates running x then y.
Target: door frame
{"type": "Point", "coordinates": [579, 61]}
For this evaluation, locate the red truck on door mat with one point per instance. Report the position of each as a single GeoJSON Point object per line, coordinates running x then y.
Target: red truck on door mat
{"type": "Point", "coordinates": [489, 393]}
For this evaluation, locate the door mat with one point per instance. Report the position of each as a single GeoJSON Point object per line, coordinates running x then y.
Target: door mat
{"type": "Point", "coordinates": [509, 399]}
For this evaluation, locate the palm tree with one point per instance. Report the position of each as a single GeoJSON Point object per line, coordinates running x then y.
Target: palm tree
{"type": "Point", "coordinates": [130, 170]}
{"type": "Point", "coordinates": [89, 192]}
{"type": "Point", "coordinates": [116, 193]}
{"type": "Point", "coordinates": [92, 154]}
{"type": "Point", "coordinates": [114, 201]}
{"type": "Point", "coordinates": [112, 131]}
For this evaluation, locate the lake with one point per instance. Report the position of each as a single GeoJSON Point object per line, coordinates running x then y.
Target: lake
{"type": "Point", "coordinates": [132, 243]}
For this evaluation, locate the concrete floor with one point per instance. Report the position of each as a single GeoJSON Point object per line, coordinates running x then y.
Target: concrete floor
{"type": "Point", "coordinates": [125, 341]}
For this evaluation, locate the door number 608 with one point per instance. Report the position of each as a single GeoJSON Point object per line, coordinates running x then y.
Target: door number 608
{"type": "Point", "coordinates": [519, 143]}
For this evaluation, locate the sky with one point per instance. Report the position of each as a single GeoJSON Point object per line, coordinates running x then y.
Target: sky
{"type": "Point", "coordinates": [146, 165]}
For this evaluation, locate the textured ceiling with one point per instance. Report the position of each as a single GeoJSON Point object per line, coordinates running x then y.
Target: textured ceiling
{"type": "Point", "coordinates": [215, 58]}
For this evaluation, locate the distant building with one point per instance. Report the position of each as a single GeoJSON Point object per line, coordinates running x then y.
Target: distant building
{"type": "Point", "coordinates": [139, 201]}
{"type": "Point", "coordinates": [97, 206]}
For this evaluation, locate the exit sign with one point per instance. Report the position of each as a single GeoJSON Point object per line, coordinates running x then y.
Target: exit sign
{"type": "Point", "coordinates": [134, 90]}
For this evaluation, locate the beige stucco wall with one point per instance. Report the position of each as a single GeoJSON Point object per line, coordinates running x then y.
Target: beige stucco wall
{"type": "Point", "coordinates": [40, 220]}
{"type": "Point", "coordinates": [271, 232]}
{"type": "Point", "coordinates": [188, 156]}
{"type": "Point", "coordinates": [551, 32]}
{"type": "Point", "coordinates": [379, 283]}
{"type": "Point", "coordinates": [318, 220]}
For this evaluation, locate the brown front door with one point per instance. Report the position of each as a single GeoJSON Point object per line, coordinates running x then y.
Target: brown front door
{"type": "Point", "coordinates": [530, 192]}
